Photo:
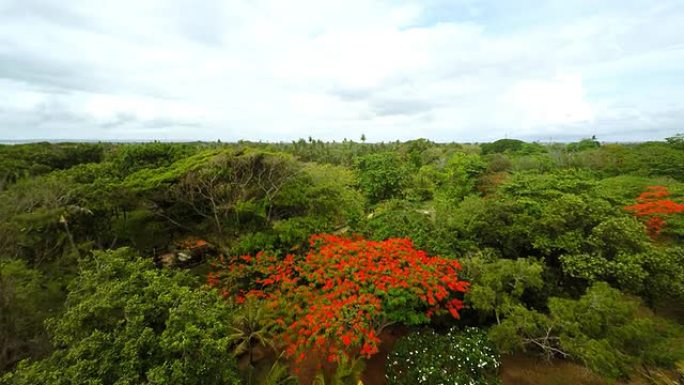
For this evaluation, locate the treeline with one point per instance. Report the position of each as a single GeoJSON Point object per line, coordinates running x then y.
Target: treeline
{"type": "Point", "coordinates": [557, 266]}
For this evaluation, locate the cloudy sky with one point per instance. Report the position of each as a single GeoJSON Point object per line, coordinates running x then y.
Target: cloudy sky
{"type": "Point", "coordinates": [459, 70]}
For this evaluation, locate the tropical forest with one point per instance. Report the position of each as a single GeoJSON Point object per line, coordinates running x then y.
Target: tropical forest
{"type": "Point", "coordinates": [342, 262]}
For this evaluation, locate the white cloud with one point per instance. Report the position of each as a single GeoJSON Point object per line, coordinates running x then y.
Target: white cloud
{"type": "Point", "coordinates": [276, 70]}
{"type": "Point", "coordinates": [539, 103]}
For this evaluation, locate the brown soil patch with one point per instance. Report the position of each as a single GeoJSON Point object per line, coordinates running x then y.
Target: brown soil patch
{"type": "Point", "coordinates": [374, 374]}
{"type": "Point", "coordinates": [527, 370]}
{"type": "Point", "coordinates": [524, 370]}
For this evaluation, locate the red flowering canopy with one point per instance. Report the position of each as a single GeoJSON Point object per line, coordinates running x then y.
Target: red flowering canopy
{"type": "Point", "coordinates": [336, 298]}
{"type": "Point", "coordinates": [653, 207]}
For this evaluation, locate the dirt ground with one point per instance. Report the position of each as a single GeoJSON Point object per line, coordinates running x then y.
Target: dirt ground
{"type": "Point", "coordinates": [374, 374]}
{"type": "Point", "coordinates": [522, 370]}
{"type": "Point", "coordinates": [525, 370]}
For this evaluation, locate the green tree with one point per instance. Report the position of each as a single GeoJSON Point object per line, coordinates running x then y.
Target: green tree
{"type": "Point", "coordinates": [381, 176]}
{"type": "Point", "coordinates": [502, 146]}
{"type": "Point", "coordinates": [602, 329]}
{"type": "Point", "coordinates": [402, 219]}
{"type": "Point", "coordinates": [583, 145]}
{"type": "Point", "coordinates": [25, 302]}
{"type": "Point", "coordinates": [676, 141]}
{"type": "Point", "coordinates": [126, 322]}
{"type": "Point", "coordinates": [498, 286]}
{"type": "Point", "coordinates": [460, 176]}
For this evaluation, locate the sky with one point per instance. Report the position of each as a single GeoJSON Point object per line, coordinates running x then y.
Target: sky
{"type": "Point", "coordinates": [273, 70]}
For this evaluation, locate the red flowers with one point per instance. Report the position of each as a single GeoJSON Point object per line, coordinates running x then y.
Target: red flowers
{"type": "Point", "coordinates": [652, 207]}
{"type": "Point", "coordinates": [343, 291]}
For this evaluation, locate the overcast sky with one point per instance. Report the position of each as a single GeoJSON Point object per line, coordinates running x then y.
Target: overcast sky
{"type": "Point", "coordinates": [281, 70]}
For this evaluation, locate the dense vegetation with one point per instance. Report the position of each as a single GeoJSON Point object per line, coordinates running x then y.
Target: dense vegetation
{"type": "Point", "coordinates": [213, 263]}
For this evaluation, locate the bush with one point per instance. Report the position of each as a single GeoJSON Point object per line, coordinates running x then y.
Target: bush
{"type": "Point", "coordinates": [457, 357]}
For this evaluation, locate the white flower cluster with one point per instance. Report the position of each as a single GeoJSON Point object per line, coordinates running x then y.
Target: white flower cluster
{"type": "Point", "coordinates": [457, 357]}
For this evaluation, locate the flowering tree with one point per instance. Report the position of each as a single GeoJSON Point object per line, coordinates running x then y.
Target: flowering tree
{"type": "Point", "coordinates": [652, 206]}
{"type": "Point", "coordinates": [337, 298]}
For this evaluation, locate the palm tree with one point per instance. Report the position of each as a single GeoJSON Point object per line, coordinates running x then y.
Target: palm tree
{"type": "Point", "coordinates": [252, 326]}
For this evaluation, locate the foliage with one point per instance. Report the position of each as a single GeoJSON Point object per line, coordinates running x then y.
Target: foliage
{"type": "Point", "coordinates": [30, 160]}
{"type": "Point", "coordinates": [339, 296]}
{"type": "Point", "coordinates": [24, 304]}
{"type": "Point", "coordinates": [540, 163]}
{"type": "Point", "coordinates": [456, 357]}
{"type": "Point", "coordinates": [584, 144]}
{"type": "Point", "coordinates": [252, 326]}
{"type": "Point", "coordinates": [403, 219]}
{"type": "Point", "coordinates": [502, 145]}
{"type": "Point", "coordinates": [381, 176]}
{"type": "Point", "coordinates": [676, 141]}
{"type": "Point", "coordinates": [498, 286]}
{"type": "Point", "coordinates": [132, 157]}
{"type": "Point", "coordinates": [126, 322]}
{"type": "Point", "coordinates": [531, 221]}
{"type": "Point", "coordinates": [602, 329]}
{"type": "Point", "coordinates": [459, 176]}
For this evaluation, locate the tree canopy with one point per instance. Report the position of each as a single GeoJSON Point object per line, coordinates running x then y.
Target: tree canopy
{"type": "Point", "coordinates": [347, 252]}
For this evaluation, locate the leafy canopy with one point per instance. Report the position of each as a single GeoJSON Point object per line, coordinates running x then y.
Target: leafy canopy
{"type": "Point", "coordinates": [126, 322]}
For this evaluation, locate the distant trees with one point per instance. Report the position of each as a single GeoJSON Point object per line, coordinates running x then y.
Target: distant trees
{"type": "Point", "coordinates": [676, 141]}
{"type": "Point", "coordinates": [583, 145]}
{"type": "Point", "coordinates": [128, 158]}
{"type": "Point", "coordinates": [502, 145]}
{"type": "Point", "coordinates": [27, 160]}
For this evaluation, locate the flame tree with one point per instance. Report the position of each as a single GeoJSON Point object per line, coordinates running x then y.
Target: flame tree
{"type": "Point", "coordinates": [336, 298]}
{"type": "Point", "coordinates": [652, 206]}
